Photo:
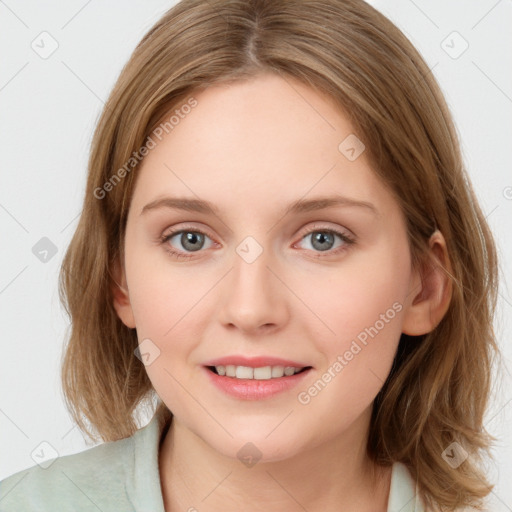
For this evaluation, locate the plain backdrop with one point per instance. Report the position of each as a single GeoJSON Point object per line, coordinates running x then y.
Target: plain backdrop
{"type": "Point", "coordinates": [49, 106]}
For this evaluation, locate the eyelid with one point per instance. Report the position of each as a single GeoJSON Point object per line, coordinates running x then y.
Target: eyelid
{"type": "Point", "coordinates": [167, 235]}
{"type": "Point", "coordinates": [307, 230]}
{"type": "Point", "coordinates": [186, 227]}
{"type": "Point", "coordinates": [320, 226]}
{"type": "Point", "coordinates": [348, 238]}
{"type": "Point", "coordinates": [178, 254]}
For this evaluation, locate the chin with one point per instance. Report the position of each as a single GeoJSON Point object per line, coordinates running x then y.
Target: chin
{"type": "Point", "coordinates": [252, 445]}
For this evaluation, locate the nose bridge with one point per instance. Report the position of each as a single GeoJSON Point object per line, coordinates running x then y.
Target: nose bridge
{"type": "Point", "coordinates": [253, 298]}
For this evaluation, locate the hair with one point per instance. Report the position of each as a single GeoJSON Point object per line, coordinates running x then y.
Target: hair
{"type": "Point", "coordinates": [439, 385]}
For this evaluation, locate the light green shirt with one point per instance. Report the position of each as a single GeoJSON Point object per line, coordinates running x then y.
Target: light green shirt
{"type": "Point", "coordinates": [123, 476]}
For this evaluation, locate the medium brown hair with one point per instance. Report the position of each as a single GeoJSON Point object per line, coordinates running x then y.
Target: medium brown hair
{"type": "Point", "coordinates": [439, 386]}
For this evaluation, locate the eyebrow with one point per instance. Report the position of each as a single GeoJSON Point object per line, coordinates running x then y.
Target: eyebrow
{"type": "Point", "coordinates": [299, 206]}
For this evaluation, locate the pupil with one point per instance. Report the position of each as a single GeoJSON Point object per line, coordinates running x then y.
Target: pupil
{"type": "Point", "coordinates": [322, 237]}
{"type": "Point", "coordinates": [189, 240]}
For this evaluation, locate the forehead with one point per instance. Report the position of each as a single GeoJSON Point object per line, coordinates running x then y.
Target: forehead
{"type": "Point", "coordinates": [256, 142]}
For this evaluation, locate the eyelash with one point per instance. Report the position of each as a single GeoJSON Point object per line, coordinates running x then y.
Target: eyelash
{"type": "Point", "coordinates": [316, 229]}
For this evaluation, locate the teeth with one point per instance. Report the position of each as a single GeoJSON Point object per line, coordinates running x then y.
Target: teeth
{"type": "Point", "coordinates": [244, 372]}
{"type": "Point", "coordinates": [289, 370]}
{"type": "Point", "coordinates": [261, 373]}
{"type": "Point", "coordinates": [277, 371]}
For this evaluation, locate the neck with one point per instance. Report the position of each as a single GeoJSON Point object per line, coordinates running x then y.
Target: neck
{"type": "Point", "coordinates": [330, 477]}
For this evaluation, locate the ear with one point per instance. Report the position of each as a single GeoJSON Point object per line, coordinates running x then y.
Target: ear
{"type": "Point", "coordinates": [430, 292]}
{"type": "Point", "coordinates": [121, 296]}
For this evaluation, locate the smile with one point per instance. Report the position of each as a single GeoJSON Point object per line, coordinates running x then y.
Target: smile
{"type": "Point", "coordinates": [260, 373]}
{"type": "Point", "coordinates": [262, 382]}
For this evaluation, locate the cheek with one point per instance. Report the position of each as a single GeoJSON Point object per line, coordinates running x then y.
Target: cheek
{"type": "Point", "coordinates": [168, 306]}
{"type": "Point", "coordinates": [163, 295]}
{"type": "Point", "coordinates": [366, 290]}
{"type": "Point", "coordinates": [364, 308]}
{"type": "Point", "coordinates": [165, 315]}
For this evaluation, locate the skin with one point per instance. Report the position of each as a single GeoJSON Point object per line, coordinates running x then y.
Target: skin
{"type": "Point", "coordinates": [251, 148]}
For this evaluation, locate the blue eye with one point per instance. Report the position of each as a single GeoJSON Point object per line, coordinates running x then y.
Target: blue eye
{"type": "Point", "coordinates": [322, 240]}
{"type": "Point", "coordinates": [193, 240]}
{"type": "Point", "coordinates": [190, 240]}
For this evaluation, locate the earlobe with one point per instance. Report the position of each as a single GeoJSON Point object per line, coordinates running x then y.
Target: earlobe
{"type": "Point", "coordinates": [431, 291]}
{"type": "Point", "coordinates": [121, 296]}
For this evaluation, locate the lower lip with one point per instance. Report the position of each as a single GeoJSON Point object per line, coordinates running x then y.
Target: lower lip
{"type": "Point", "coordinates": [255, 389]}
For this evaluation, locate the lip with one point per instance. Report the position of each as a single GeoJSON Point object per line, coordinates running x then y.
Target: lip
{"type": "Point", "coordinates": [254, 389]}
{"type": "Point", "coordinates": [254, 362]}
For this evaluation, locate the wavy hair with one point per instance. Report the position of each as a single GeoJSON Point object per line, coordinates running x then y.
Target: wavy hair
{"type": "Point", "coordinates": [439, 386]}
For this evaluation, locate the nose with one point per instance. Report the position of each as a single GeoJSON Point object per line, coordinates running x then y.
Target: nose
{"type": "Point", "coordinates": [254, 298]}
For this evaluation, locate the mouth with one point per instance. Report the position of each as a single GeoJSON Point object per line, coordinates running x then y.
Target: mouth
{"type": "Point", "coordinates": [258, 373]}
{"type": "Point", "coordinates": [257, 377]}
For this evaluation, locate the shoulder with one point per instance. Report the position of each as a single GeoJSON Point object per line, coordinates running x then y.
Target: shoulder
{"type": "Point", "coordinates": [89, 480]}
{"type": "Point", "coordinates": [404, 493]}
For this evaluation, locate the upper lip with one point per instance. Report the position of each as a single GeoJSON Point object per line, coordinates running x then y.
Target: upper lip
{"type": "Point", "coordinates": [254, 362]}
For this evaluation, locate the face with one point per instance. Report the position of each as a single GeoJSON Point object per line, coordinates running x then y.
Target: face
{"type": "Point", "coordinates": [324, 287]}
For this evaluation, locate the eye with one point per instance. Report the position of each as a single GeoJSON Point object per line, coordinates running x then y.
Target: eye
{"type": "Point", "coordinates": [323, 239]}
{"type": "Point", "coordinates": [191, 240]}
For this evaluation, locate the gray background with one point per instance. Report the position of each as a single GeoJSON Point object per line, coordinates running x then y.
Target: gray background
{"type": "Point", "coordinates": [49, 107]}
